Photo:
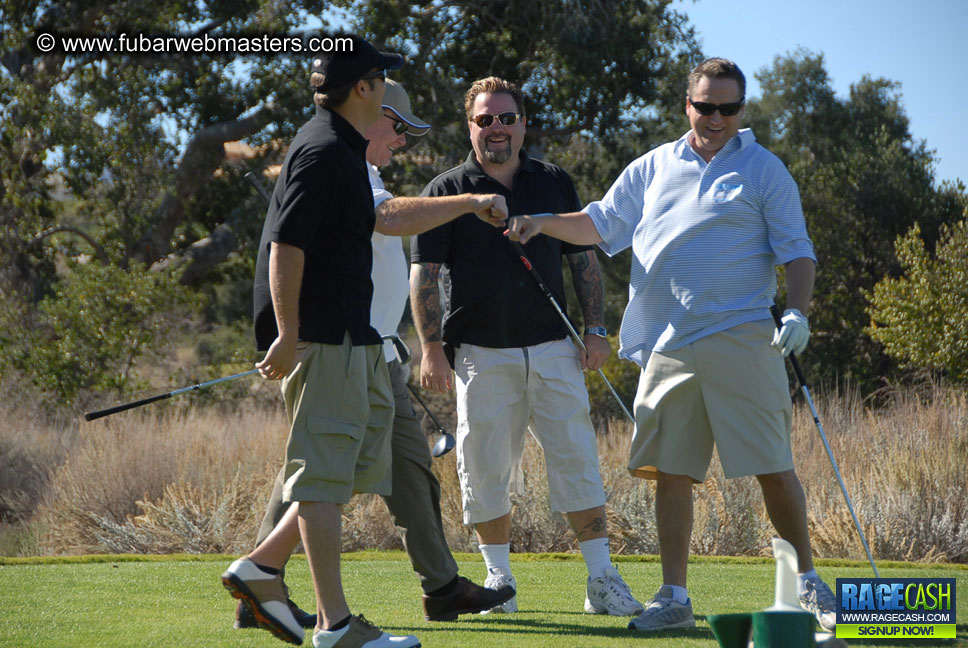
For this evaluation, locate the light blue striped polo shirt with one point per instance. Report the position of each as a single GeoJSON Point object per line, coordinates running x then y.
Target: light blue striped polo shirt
{"type": "Point", "coordinates": [705, 240]}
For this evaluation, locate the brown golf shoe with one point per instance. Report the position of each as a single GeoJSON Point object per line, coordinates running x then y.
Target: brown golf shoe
{"type": "Point", "coordinates": [263, 595]}
{"type": "Point", "coordinates": [465, 598]}
{"type": "Point", "coordinates": [245, 619]}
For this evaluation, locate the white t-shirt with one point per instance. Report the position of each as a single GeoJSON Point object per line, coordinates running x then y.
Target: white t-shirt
{"type": "Point", "coordinates": [391, 287]}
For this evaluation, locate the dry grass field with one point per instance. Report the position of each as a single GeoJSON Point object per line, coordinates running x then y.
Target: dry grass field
{"type": "Point", "coordinates": [175, 478]}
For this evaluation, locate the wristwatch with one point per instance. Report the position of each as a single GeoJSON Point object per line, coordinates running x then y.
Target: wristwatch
{"type": "Point", "coordinates": [600, 331]}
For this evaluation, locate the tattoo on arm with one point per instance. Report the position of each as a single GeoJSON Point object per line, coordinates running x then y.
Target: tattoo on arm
{"type": "Point", "coordinates": [425, 301]}
{"type": "Point", "coordinates": [589, 286]}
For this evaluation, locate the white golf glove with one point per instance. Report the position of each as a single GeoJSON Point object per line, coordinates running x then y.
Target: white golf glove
{"type": "Point", "coordinates": [793, 335]}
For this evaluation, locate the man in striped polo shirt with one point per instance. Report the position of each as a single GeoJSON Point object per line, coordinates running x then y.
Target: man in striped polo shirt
{"type": "Point", "coordinates": [708, 218]}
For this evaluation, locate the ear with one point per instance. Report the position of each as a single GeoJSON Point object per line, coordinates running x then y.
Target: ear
{"type": "Point", "coordinates": [686, 110]}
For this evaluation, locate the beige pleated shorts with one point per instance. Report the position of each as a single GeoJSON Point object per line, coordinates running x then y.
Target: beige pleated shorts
{"type": "Point", "coordinates": [727, 390]}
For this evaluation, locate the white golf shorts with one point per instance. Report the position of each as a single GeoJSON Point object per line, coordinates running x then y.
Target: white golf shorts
{"type": "Point", "coordinates": [499, 393]}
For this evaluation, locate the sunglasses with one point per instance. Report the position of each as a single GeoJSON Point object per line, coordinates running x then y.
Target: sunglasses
{"type": "Point", "coordinates": [725, 109]}
{"type": "Point", "coordinates": [379, 74]}
{"type": "Point", "coordinates": [398, 126]}
{"type": "Point", "coordinates": [484, 120]}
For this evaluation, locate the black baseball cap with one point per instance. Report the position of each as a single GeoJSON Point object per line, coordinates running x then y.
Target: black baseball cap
{"type": "Point", "coordinates": [340, 68]}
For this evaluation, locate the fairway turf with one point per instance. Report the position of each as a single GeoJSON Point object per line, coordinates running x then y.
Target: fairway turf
{"type": "Point", "coordinates": [114, 602]}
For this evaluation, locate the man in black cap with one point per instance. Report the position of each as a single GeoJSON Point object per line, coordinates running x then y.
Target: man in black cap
{"type": "Point", "coordinates": [414, 503]}
{"type": "Point", "coordinates": [312, 300]}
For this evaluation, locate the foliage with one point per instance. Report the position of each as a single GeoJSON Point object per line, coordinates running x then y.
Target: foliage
{"type": "Point", "coordinates": [863, 181]}
{"type": "Point", "coordinates": [92, 327]}
{"type": "Point", "coordinates": [638, 52]}
{"type": "Point", "coordinates": [921, 318]}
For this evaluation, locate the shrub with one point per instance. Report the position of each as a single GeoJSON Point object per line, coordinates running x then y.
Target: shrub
{"type": "Point", "coordinates": [921, 318]}
{"type": "Point", "coordinates": [96, 323]}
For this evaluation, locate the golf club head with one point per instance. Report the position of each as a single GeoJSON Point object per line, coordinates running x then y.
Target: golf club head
{"type": "Point", "coordinates": [444, 445]}
{"type": "Point", "coordinates": [400, 348]}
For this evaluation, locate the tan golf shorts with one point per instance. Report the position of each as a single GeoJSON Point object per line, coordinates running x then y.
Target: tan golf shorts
{"type": "Point", "coordinates": [728, 389]}
{"type": "Point", "coordinates": [340, 408]}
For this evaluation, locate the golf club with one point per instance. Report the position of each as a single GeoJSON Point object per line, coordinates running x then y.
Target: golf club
{"type": "Point", "coordinates": [571, 329]}
{"type": "Point", "coordinates": [446, 442]}
{"type": "Point", "coordinates": [90, 416]}
{"type": "Point", "coordinates": [254, 181]}
{"type": "Point", "coordinates": [823, 437]}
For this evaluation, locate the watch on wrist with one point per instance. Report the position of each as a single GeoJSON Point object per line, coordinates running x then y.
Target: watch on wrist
{"type": "Point", "coordinates": [600, 331]}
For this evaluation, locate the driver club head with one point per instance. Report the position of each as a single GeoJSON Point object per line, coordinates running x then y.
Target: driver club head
{"type": "Point", "coordinates": [400, 349]}
{"type": "Point", "coordinates": [444, 445]}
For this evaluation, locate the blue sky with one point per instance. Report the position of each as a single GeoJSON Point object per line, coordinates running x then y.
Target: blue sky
{"type": "Point", "coordinates": [917, 42]}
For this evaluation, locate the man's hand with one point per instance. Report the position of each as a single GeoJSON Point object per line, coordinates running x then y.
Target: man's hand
{"type": "Point", "coordinates": [598, 351]}
{"type": "Point", "coordinates": [435, 372]}
{"type": "Point", "coordinates": [490, 208]}
{"type": "Point", "coordinates": [793, 335]}
{"type": "Point", "coordinates": [523, 228]}
{"type": "Point", "coordinates": [280, 359]}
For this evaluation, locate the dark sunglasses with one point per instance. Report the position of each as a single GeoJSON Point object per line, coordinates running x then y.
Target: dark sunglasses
{"type": "Point", "coordinates": [725, 109]}
{"type": "Point", "coordinates": [379, 74]}
{"type": "Point", "coordinates": [484, 120]}
{"type": "Point", "coordinates": [398, 126]}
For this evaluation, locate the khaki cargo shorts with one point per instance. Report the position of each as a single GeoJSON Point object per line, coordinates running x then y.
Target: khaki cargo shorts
{"type": "Point", "coordinates": [340, 408]}
{"type": "Point", "coordinates": [728, 389]}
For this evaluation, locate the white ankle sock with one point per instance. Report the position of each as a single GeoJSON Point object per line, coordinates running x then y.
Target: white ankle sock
{"type": "Point", "coordinates": [497, 557]}
{"type": "Point", "coordinates": [803, 578]}
{"type": "Point", "coordinates": [679, 594]}
{"type": "Point", "coordinates": [596, 555]}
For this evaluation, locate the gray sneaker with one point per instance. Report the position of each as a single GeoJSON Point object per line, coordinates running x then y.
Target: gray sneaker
{"type": "Point", "coordinates": [610, 595]}
{"type": "Point", "coordinates": [819, 601]}
{"type": "Point", "coordinates": [495, 581]}
{"type": "Point", "coordinates": [664, 613]}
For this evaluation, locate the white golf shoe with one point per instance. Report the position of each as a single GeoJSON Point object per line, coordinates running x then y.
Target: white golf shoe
{"type": "Point", "coordinates": [819, 601]}
{"type": "Point", "coordinates": [610, 594]}
{"type": "Point", "coordinates": [360, 633]}
{"type": "Point", "coordinates": [265, 597]}
{"type": "Point", "coordinates": [495, 581]}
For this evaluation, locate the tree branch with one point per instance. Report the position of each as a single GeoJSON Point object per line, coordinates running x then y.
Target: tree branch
{"type": "Point", "coordinates": [201, 158]}
{"type": "Point", "coordinates": [98, 250]}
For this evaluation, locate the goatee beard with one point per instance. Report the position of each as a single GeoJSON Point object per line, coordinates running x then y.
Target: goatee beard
{"type": "Point", "coordinates": [498, 157]}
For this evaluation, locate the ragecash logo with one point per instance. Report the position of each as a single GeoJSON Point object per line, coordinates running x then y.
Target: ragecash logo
{"type": "Point", "coordinates": [899, 608]}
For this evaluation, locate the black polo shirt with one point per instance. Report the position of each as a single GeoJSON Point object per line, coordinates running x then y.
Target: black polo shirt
{"type": "Point", "coordinates": [492, 300]}
{"type": "Point", "coordinates": [322, 204]}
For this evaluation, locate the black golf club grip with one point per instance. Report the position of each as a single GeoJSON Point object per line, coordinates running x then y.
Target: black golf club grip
{"type": "Point", "coordinates": [793, 358]}
{"type": "Point", "coordinates": [90, 416]}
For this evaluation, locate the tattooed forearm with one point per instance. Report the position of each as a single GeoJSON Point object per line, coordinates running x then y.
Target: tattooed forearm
{"type": "Point", "coordinates": [589, 286]}
{"type": "Point", "coordinates": [425, 301]}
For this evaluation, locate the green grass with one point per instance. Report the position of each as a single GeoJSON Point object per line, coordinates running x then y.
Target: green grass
{"type": "Point", "coordinates": [124, 601]}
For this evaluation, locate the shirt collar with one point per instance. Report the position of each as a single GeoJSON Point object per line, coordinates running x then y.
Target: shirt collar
{"type": "Point", "coordinates": [742, 140]}
{"type": "Point", "coordinates": [473, 168]}
{"type": "Point", "coordinates": [376, 179]}
{"type": "Point", "coordinates": [344, 129]}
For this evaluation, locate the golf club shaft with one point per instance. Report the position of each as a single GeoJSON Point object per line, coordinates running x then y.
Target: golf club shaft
{"type": "Point", "coordinates": [823, 437]}
{"type": "Point", "coordinates": [90, 416]}
{"type": "Point", "coordinates": [571, 329]}
{"type": "Point", "coordinates": [254, 181]}
{"type": "Point", "coordinates": [440, 428]}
